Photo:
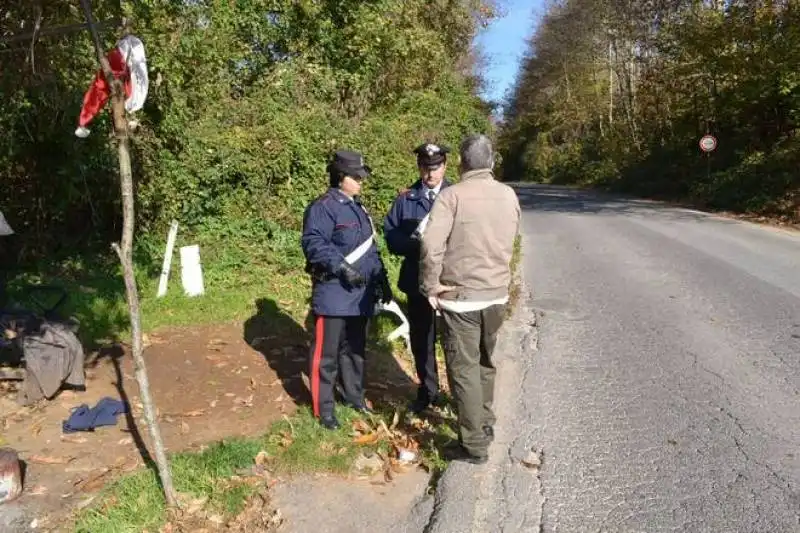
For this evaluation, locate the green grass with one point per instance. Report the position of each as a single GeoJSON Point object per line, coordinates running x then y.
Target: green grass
{"type": "Point", "coordinates": [135, 502]}
{"type": "Point", "coordinates": [294, 445]}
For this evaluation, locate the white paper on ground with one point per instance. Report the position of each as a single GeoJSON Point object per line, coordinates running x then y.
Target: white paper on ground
{"type": "Point", "coordinates": [191, 271]}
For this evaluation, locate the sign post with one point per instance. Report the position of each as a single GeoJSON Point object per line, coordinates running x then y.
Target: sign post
{"type": "Point", "coordinates": [708, 143]}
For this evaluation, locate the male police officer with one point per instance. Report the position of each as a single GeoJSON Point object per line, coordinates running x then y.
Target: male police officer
{"type": "Point", "coordinates": [401, 229]}
{"type": "Point", "coordinates": [348, 277]}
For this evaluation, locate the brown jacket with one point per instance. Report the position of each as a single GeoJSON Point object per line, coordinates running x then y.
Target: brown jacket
{"type": "Point", "coordinates": [469, 239]}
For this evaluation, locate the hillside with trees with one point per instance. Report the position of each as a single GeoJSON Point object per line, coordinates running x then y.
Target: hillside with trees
{"type": "Point", "coordinates": [617, 94]}
{"type": "Point", "coordinates": [246, 102]}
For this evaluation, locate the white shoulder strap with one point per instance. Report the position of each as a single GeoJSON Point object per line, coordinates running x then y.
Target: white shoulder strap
{"type": "Point", "coordinates": [359, 252]}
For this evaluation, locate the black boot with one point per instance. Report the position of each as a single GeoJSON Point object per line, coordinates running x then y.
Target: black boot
{"type": "Point", "coordinates": [329, 422]}
{"type": "Point", "coordinates": [459, 453]}
{"type": "Point", "coordinates": [422, 401]}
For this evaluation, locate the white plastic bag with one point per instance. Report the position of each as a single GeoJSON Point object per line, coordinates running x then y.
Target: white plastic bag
{"type": "Point", "coordinates": [5, 227]}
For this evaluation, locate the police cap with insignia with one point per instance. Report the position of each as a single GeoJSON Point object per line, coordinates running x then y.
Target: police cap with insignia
{"type": "Point", "coordinates": [430, 155]}
{"type": "Point", "coordinates": [349, 163]}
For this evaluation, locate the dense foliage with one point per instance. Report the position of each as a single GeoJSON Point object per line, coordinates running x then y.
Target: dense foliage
{"type": "Point", "coordinates": [619, 92]}
{"type": "Point", "coordinates": [247, 99]}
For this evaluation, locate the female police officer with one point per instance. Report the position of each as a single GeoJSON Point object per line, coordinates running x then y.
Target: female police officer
{"type": "Point", "coordinates": [348, 277]}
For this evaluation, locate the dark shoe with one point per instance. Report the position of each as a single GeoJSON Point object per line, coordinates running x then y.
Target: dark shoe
{"type": "Point", "coordinates": [418, 405]}
{"type": "Point", "coordinates": [422, 402]}
{"type": "Point", "coordinates": [489, 432]}
{"type": "Point", "coordinates": [329, 422]}
{"type": "Point", "coordinates": [459, 453]}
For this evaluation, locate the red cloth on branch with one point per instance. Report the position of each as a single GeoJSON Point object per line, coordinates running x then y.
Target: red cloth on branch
{"type": "Point", "coordinates": [99, 92]}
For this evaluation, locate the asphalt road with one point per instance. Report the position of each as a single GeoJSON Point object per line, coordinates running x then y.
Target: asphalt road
{"type": "Point", "coordinates": [660, 387]}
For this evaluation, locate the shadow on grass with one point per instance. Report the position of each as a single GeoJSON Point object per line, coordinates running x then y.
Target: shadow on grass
{"type": "Point", "coordinates": [283, 343]}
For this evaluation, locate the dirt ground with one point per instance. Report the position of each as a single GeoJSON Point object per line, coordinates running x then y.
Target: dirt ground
{"type": "Point", "coordinates": [209, 383]}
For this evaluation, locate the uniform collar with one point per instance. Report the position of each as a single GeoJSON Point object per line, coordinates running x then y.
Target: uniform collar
{"type": "Point", "coordinates": [419, 190]}
{"type": "Point", "coordinates": [436, 189]}
{"type": "Point", "coordinates": [342, 197]}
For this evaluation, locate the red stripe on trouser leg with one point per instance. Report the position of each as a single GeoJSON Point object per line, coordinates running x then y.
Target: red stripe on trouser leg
{"type": "Point", "coordinates": [319, 334]}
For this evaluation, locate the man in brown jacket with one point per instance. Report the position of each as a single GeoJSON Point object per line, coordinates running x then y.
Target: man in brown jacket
{"type": "Point", "coordinates": [465, 271]}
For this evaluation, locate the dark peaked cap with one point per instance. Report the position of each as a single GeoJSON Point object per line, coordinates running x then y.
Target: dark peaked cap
{"type": "Point", "coordinates": [350, 163]}
{"type": "Point", "coordinates": [430, 154]}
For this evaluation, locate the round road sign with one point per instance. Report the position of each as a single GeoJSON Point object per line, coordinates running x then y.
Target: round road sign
{"type": "Point", "coordinates": [708, 143]}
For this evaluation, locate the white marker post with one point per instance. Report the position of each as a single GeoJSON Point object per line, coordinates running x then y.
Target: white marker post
{"type": "Point", "coordinates": [191, 271]}
{"type": "Point", "coordinates": [162, 283]}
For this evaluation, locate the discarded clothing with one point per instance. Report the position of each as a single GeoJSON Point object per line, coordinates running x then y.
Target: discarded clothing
{"type": "Point", "coordinates": [53, 357]}
{"type": "Point", "coordinates": [87, 419]}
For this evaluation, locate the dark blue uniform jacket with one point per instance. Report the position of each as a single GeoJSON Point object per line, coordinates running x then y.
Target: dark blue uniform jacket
{"type": "Point", "coordinates": [333, 226]}
{"type": "Point", "coordinates": [407, 211]}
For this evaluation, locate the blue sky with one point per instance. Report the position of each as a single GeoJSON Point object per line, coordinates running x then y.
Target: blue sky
{"type": "Point", "coordinates": [503, 43]}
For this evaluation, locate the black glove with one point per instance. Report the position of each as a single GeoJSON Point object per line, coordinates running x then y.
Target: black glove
{"type": "Point", "coordinates": [385, 294]}
{"type": "Point", "coordinates": [350, 275]}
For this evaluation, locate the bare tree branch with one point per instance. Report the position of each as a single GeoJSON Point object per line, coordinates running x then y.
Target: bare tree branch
{"type": "Point", "coordinates": [125, 253]}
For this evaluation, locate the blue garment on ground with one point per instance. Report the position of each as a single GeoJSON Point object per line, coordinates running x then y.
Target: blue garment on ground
{"type": "Point", "coordinates": [87, 419]}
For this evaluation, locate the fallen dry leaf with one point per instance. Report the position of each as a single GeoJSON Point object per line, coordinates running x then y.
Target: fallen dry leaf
{"type": "Point", "coordinates": [38, 490]}
{"type": "Point", "coordinates": [49, 460]}
{"type": "Point", "coordinates": [196, 412]}
{"type": "Point", "coordinates": [395, 419]}
{"type": "Point", "coordinates": [184, 428]}
{"type": "Point", "coordinates": [73, 439]}
{"type": "Point", "coordinates": [125, 441]}
{"type": "Point", "coordinates": [230, 394]}
{"type": "Point", "coordinates": [369, 438]}
{"type": "Point", "coordinates": [213, 403]}
{"type": "Point", "coordinates": [286, 439]}
{"type": "Point", "coordinates": [262, 458]}
{"type": "Point", "coordinates": [245, 402]}
{"type": "Point", "coordinates": [253, 384]}
{"type": "Point", "coordinates": [280, 398]}
{"type": "Point", "coordinates": [361, 426]}
{"type": "Point", "coordinates": [397, 467]}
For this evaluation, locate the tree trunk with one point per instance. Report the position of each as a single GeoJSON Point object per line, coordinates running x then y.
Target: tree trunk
{"type": "Point", "coordinates": [125, 253]}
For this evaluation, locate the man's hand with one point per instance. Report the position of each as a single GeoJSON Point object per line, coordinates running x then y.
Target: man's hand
{"type": "Point", "coordinates": [433, 298]}
{"type": "Point", "coordinates": [350, 275]}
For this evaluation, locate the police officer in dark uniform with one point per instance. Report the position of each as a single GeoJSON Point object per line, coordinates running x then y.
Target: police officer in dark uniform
{"type": "Point", "coordinates": [401, 228]}
{"type": "Point", "coordinates": [348, 279]}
